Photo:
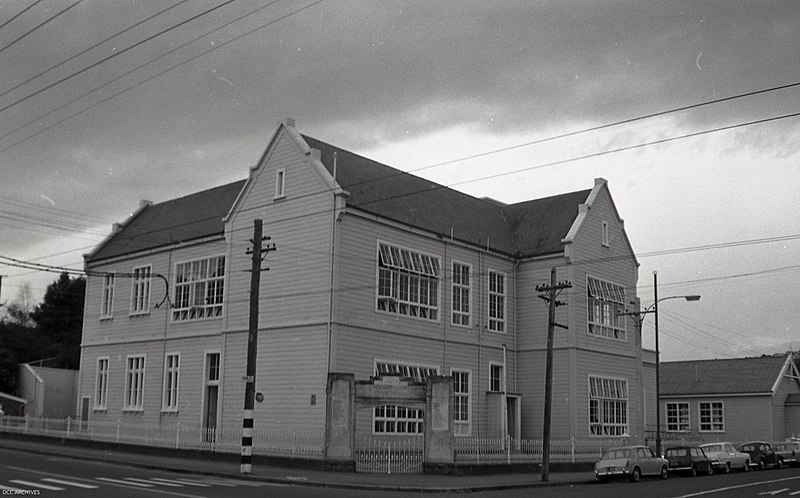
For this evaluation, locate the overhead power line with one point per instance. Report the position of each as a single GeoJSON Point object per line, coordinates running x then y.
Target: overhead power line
{"type": "Point", "coordinates": [51, 68]}
{"type": "Point", "coordinates": [115, 54]}
{"type": "Point", "coordinates": [26, 9]}
{"type": "Point", "coordinates": [59, 13]}
{"type": "Point", "coordinates": [136, 85]}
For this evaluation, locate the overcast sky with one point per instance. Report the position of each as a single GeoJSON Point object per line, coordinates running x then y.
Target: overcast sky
{"type": "Point", "coordinates": [414, 84]}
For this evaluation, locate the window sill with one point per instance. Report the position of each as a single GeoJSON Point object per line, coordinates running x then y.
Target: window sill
{"type": "Point", "coordinates": [106, 318]}
{"type": "Point", "coordinates": [133, 316]}
{"type": "Point", "coordinates": [133, 410]}
{"type": "Point", "coordinates": [169, 411]}
{"type": "Point", "coordinates": [98, 409]}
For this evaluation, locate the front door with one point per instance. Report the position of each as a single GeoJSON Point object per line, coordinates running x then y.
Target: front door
{"type": "Point", "coordinates": [211, 397]}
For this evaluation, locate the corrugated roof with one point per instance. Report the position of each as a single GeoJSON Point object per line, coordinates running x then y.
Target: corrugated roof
{"type": "Point", "coordinates": [178, 220]}
{"type": "Point", "coordinates": [525, 229]}
{"type": "Point", "coordinates": [730, 376]}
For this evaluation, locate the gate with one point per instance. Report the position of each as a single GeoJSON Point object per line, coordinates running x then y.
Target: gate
{"type": "Point", "coordinates": [390, 455]}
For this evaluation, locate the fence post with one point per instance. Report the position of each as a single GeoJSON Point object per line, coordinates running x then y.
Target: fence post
{"type": "Point", "coordinates": [508, 448]}
{"type": "Point", "coordinates": [118, 424]}
{"type": "Point", "coordinates": [69, 423]}
{"type": "Point", "coordinates": [178, 436]}
{"type": "Point", "coordinates": [572, 447]}
{"type": "Point", "coordinates": [26, 423]}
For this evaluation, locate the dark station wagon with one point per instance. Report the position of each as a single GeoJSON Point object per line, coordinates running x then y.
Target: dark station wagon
{"type": "Point", "coordinates": [688, 459]}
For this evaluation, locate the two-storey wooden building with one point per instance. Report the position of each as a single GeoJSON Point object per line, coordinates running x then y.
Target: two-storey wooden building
{"type": "Point", "coordinates": [375, 271]}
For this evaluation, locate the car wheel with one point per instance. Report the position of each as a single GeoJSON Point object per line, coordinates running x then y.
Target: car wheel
{"type": "Point", "coordinates": [664, 472]}
{"type": "Point", "coordinates": [746, 465]}
{"type": "Point", "coordinates": [603, 480]}
{"type": "Point", "coordinates": [694, 471]}
{"type": "Point", "coordinates": [710, 470]}
{"type": "Point", "coordinates": [762, 464]}
{"type": "Point", "coordinates": [779, 464]}
{"type": "Point", "coordinates": [728, 467]}
{"type": "Point", "coordinates": [636, 475]}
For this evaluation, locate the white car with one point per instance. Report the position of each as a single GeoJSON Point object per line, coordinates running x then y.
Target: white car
{"type": "Point", "coordinates": [725, 457]}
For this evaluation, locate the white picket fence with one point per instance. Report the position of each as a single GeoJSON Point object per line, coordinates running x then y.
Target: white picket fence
{"type": "Point", "coordinates": [267, 442]}
{"type": "Point", "coordinates": [390, 455]}
{"type": "Point", "coordinates": [510, 450]}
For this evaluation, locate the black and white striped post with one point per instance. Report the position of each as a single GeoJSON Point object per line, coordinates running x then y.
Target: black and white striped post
{"type": "Point", "coordinates": [252, 347]}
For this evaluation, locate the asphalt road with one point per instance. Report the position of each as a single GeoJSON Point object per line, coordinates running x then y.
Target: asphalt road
{"type": "Point", "coordinates": [757, 484]}
{"type": "Point", "coordinates": [31, 474]}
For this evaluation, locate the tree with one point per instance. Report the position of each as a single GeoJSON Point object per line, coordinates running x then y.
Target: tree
{"type": "Point", "coordinates": [19, 310]}
{"type": "Point", "coordinates": [59, 318]}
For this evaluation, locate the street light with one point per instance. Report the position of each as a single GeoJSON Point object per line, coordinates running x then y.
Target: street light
{"type": "Point", "coordinates": [653, 308]}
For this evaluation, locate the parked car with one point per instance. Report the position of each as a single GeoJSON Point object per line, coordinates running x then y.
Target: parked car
{"type": "Point", "coordinates": [688, 459]}
{"type": "Point", "coordinates": [761, 455]}
{"type": "Point", "coordinates": [789, 451]}
{"type": "Point", "coordinates": [725, 457]}
{"type": "Point", "coordinates": [632, 462]}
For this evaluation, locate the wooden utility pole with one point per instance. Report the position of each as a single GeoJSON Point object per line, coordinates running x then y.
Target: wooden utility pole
{"type": "Point", "coordinates": [550, 295]}
{"type": "Point", "coordinates": [252, 345]}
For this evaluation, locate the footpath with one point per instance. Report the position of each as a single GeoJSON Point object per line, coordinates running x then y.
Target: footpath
{"type": "Point", "coordinates": [228, 467]}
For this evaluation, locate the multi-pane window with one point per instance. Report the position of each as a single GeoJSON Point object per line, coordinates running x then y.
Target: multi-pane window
{"type": "Point", "coordinates": [461, 298]}
{"type": "Point", "coordinates": [408, 282]}
{"type": "Point", "coordinates": [497, 301]}
{"type": "Point", "coordinates": [171, 373]}
{"type": "Point", "coordinates": [134, 383]}
{"type": "Point", "coordinates": [608, 407]}
{"type": "Point", "coordinates": [678, 417]}
{"type": "Point", "coordinates": [199, 289]}
{"type": "Point", "coordinates": [415, 372]}
{"type": "Point", "coordinates": [606, 303]}
{"type": "Point", "coordinates": [495, 377]}
{"type": "Point", "coordinates": [140, 292]}
{"type": "Point", "coordinates": [212, 362]}
{"type": "Point", "coordinates": [461, 401]}
{"type": "Point", "coordinates": [712, 417]}
{"type": "Point", "coordinates": [107, 308]}
{"type": "Point", "coordinates": [101, 384]}
{"type": "Point", "coordinates": [397, 420]}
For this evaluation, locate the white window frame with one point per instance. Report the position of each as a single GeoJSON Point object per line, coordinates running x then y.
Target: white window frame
{"type": "Point", "coordinates": [171, 391]}
{"type": "Point", "coordinates": [397, 420]}
{"type": "Point", "coordinates": [461, 308]}
{"type": "Point", "coordinates": [280, 183]}
{"type": "Point", "coordinates": [133, 396]}
{"type": "Point", "coordinates": [462, 421]}
{"type": "Point", "coordinates": [605, 237]}
{"type": "Point", "coordinates": [711, 419]}
{"type": "Point", "coordinates": [500, 379]}
{"type": "Point", "coordinates": [607, 403]}
{"type": "Point", "coordinates": [605, 305]}
{"type": "Point", "coordinates": [680, 419]}
{"type": "Point", "coordinates": [415, 371]}
{"type": "Point", "coordinates": [107, 303]}
{"type": "Point", "coordinates": [186, 284]}
{"type": "Point", "coordinates": [140, 289]}
{"type": "Point", "coordinates": [497, 322]}
{"type": "Point", "coordinates": [101, 383]}
{"type": "Point", "coordinates": [407, 282]}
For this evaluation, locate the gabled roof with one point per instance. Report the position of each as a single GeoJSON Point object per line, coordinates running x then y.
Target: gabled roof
{"type": "Point", "coordinates": [525, 229]}
{"type": "Point", "coordinates": [759, 375]}
{"type": "Point", "coordinates": [528, 228]}
{"type": "Point", "coordinates": [184, 219]}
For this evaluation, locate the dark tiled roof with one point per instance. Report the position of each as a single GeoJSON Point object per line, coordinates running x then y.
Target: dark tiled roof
{"type": "Point", "coordinates": [530, 228]}
{"type": "Point", "coordinates": [736, 376]}
{"type": "Point", "coordinates": [538, 226]}
{"type": "Point", "coordinates": [178, 220]}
